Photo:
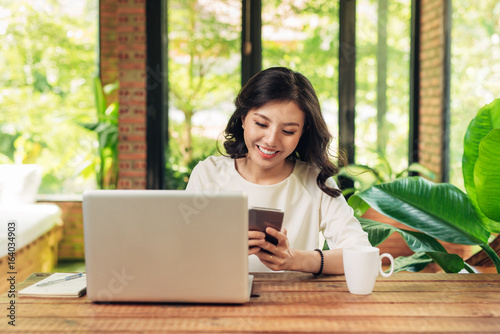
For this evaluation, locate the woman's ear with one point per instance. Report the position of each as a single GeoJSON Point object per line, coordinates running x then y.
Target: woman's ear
{"type": "Point", "coordinates": [243, 122]}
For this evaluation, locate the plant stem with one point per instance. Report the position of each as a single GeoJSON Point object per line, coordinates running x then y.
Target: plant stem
{"type": "Point", "coordinates": [469, 269]}
{"type": "Point", "coordinates": [493, 256]}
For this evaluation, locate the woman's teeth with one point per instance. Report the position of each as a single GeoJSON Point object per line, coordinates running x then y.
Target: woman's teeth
{"type": "Point", "coordinates": [263, 150]}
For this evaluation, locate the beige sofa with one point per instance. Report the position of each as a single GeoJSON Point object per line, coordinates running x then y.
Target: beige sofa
{"type": "Point", "coordinates": [29, 232]}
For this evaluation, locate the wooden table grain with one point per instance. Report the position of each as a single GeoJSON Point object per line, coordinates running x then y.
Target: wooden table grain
{"type": "Point", "coordinates": [285, 302]}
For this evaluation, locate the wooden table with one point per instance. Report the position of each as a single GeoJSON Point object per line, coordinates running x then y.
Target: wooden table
{"type": "Point", "coordinates": [286, 302]}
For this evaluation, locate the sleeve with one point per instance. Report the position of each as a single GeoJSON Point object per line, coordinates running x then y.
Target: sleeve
{"type": "Point", "coordinates": [338, 224]}
{"type": "Point", "coordinates": [194, 182]}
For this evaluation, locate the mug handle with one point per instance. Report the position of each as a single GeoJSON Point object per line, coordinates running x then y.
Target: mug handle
{"type": "Point", "coordinates": [389, 256]}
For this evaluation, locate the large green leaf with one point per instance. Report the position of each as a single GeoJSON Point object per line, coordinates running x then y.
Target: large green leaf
{"type": "Point", "coordinates": [439, 210]}
{"type": "Point", "coordinates": [418, 242]}
{"type": "Point", "coordinates": [358, 205]}
{"type": "Point", "coordinates": [413, 263]}
{"type": "Point", "coordinates": [487, 118]}
{"type": "Point", "coordinates": [451, 263]}
{"type": "Point", "coordinates": [487, 178]}
{"type": "Point", "coordinates": [377, 232]}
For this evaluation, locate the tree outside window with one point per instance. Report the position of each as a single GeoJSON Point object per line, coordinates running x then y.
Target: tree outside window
{"type": "Point", "coordinates": [475, 70]}
{"type": "Point", "coordinates": [46, 80]}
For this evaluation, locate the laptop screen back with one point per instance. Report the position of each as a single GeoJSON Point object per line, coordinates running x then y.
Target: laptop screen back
{"type": "Point", "coordinates": [166, 246]}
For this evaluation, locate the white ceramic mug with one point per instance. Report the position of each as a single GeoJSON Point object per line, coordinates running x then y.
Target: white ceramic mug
{"type": "Point", "coordinates": [361, 268]}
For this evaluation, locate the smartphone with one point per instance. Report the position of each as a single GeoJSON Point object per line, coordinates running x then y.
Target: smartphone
{"type": "Point", "coordinates": [260, 218]}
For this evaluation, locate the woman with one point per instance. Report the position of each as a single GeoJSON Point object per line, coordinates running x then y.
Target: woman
{"type": "Point", "coordinates": [277, 146]}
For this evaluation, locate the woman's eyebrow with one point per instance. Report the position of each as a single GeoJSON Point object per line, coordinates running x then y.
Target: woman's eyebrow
{"type": "Point", "coordinates": [267, 119]}
{"type": "Point", "coordinates": [263, 116]}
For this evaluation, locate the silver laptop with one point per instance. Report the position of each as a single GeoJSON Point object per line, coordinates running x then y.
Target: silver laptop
{"type": "Point", "coordinates": [166, 246]}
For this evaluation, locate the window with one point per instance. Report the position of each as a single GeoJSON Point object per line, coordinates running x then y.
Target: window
{"type": "Point", "coordinates": [48, 48]}
{"type": "Point", "coordinates": [475, 70]}
{"type": "Point", "coordinates": [204, 78]}
{"type": "Point", "coordinates": [382, 83]}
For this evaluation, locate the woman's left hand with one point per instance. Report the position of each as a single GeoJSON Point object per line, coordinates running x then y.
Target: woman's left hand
{"type": "Point", "coordinates": [280, 256]}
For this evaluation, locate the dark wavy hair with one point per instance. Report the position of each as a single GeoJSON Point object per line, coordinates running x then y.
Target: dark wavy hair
{"type": "Point", "coordinates": [283, 84]}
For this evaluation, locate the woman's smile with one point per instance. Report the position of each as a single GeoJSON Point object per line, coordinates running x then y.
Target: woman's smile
{"type": "Point", "coordinates": [267, 153]}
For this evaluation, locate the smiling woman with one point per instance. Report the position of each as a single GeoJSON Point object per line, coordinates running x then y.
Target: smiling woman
{"type": "Point", "coordinates": [277, 146]}
{"type": "Point", "coordinates": [49, 48]}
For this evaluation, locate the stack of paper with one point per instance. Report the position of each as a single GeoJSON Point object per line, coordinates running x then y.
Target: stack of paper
{"type": "Point", "coordinates": [57, 285]}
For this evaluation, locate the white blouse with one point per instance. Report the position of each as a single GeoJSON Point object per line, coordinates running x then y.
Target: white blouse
{"type": "Point", "coordinates": [308, 210]}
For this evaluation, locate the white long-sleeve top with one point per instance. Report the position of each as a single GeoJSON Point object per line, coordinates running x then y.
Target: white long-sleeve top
{"type": "Point", "coordinates": [308, 210]}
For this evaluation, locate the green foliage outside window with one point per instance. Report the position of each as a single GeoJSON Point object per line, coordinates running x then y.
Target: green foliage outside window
{"type": "Point", "coordinates": [48, 63]}
{"type": "Point", "coordinates": [475, 70]}
{"type": "Point", "coordinates": [303, 35]}
{"type": "Point", "coordinates": [177, 171]}
{"type": "Point", "coordinates": [383, 41]}
{"type": "Point", "coordinates": [204, 67]}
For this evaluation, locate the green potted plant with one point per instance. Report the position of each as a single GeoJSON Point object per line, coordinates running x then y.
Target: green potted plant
{"type": "Point", "coordinates": [442, 211]}
{"type": "Point", "coordinates": [380, 171]}
{"type": "Point", "coordinates": [105, 164]}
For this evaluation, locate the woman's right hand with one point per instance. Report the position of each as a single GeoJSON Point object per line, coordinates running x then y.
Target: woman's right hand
{"type": "Point", "coordinates": [255, 240]}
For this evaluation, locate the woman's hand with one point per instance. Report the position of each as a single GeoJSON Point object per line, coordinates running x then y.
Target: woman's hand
{"type": "Point", "coordinates": [280, 256]}
{"type": "Point", "coordinates": [255, 240]}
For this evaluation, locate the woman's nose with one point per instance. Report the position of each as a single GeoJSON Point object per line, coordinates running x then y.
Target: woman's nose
{"type": "Point", "coordinates": [271, 137]}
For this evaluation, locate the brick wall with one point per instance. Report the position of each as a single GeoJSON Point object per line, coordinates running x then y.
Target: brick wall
{"type": "Point", "coordinates": [123, 58]}
{"type": "Point", "coordinates": [432, 64]}
{"type": "Point", "coordinates": [108, 40]}
{"type": "Point", "coordinates": [71, 245]}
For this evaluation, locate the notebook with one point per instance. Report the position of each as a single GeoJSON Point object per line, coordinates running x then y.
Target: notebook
{"type": "Point", "coordinates": [166, 246]}
{"type": "Point", "coordinates": [57, 285]}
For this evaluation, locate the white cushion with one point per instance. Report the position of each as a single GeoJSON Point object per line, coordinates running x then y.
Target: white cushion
{"type": "Point", "coordinates": [19, 183]}
{"type": "Point", "coordinates": [31, 220]}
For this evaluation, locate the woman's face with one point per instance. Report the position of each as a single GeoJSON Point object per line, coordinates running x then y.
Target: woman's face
{"type": "Point", "coordinates": [272, 132]}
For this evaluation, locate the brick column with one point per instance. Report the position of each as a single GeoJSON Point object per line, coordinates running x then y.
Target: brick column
{"type": "Point", "coordinates": [123, 58]}
{"type": "Point", "coordinates": [108, 56]}
{"type": "Point", "coordinates": [433, 107]}
{"type": "Point", "coordinates": [71, 246]}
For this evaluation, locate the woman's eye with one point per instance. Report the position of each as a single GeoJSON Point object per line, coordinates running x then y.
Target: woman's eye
{"type": "Point", "coordinates": [289, 132]}
{"type": "Point", "coordinates": [260, 124]}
